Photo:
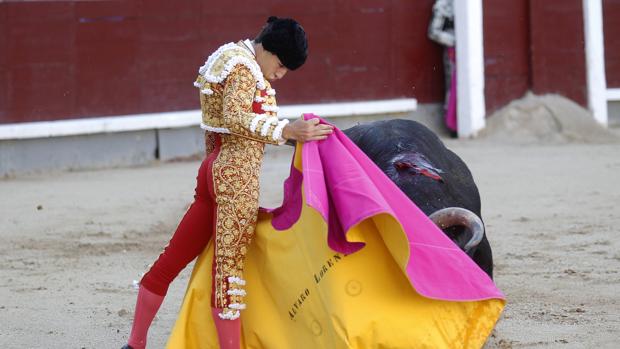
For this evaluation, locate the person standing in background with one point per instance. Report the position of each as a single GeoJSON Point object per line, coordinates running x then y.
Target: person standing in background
{"type": "Point", "coordinates": [441, 30]}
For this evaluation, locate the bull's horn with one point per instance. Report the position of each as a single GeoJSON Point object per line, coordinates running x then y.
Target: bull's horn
{"type": "Point", "coordinates": [451, 216]}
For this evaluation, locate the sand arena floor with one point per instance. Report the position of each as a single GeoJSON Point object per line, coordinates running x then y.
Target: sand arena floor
{"type": "Point", "coordinates": [72, 243]}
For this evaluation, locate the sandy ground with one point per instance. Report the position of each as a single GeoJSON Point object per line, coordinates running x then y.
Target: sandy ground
{"type": "Point", "coordinates": [72, 243]}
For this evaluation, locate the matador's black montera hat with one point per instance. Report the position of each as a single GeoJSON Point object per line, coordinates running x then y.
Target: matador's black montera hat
{"type": "Point", "coordinates": [285, 38]}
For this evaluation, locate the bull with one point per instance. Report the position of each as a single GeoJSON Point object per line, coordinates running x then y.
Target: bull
{"type": "Point", "coordinates": [433, 177]}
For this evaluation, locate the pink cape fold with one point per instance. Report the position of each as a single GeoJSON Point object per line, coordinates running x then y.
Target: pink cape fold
{"type": "Point", "coordinates": [346, 187]}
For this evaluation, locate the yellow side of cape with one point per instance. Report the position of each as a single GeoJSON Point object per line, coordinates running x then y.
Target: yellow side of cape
{"type": "Point", "coordinates": [301, 294]}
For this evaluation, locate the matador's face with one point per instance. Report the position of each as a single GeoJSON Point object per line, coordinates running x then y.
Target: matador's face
{"type": "Point", "coordinates": [270, 64]}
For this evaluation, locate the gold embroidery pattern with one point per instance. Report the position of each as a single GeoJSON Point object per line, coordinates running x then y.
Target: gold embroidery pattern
{"type": "Point", "coordinates": [236, 185]}
{"type": "Point", "coordinates": [239, 94]}
{"type": "Point", "coordinates": [230, 103]}
{"type": "Point", "coordinates": [211, 105]}
{"type": "Point", "coordinates": [209, 142]}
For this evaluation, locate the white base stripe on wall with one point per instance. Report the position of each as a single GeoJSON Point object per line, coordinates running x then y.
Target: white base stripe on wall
{"type": "Point", "coordinates": [179, 119]}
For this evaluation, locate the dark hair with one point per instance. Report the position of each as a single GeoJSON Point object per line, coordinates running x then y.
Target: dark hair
{"type": "Point", "coordinates": [285, 38]}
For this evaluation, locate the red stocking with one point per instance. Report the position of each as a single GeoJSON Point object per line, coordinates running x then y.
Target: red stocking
{"type": "Point", "coordinates": [146, 307]}
{"type": "Point", "coordinates": [228, 331]}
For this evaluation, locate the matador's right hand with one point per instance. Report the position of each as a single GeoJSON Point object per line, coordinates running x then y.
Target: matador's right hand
{"type": "Point", "coordinates": [305, 131]}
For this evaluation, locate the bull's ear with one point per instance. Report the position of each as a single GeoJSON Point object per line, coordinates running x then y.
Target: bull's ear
{"type": "Point", "coordinates": [451, 217]}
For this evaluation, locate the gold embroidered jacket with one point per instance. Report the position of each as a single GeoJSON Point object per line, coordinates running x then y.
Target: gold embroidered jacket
{"type": "Point", "coordinates": [235, 98]}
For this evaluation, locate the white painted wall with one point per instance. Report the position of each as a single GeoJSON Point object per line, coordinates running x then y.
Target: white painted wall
{"type": "Point", "coordinates": [469, 66]}
{"type": "Point", "coordinates": [613, 94]}
{"type": "Point", "coordinates": [595, 59]}
{"type": "Point", "coordinates": [180, 119]}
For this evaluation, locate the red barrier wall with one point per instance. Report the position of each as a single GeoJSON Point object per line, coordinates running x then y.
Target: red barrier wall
{"type": "Point", "coordinates": [506, 51]}
{"type": "Point", "coordinates": [534, 45]}
{"type": "Point", "coordinates": [558, 49]}
{"type": "Point", "coordinates": [3, 64]}
{"type": "Point", "coordinates": [65, 59]}
{"type": "Point", "coordinates": [611, 28]}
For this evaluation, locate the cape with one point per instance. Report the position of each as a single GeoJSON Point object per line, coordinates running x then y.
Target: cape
{"type": "Point", "coordinates": [347, 261]}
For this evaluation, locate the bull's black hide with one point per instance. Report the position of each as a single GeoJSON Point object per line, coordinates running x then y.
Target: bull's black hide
{"type": "Point", "coordinates": [431, 175]}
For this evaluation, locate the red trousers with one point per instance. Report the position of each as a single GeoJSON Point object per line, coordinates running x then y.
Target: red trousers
{"type": "Point", "coordinates": [192, 234]}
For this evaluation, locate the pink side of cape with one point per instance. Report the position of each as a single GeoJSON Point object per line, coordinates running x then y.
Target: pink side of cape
{"type": "Point", "coordinates": [346, 187]}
